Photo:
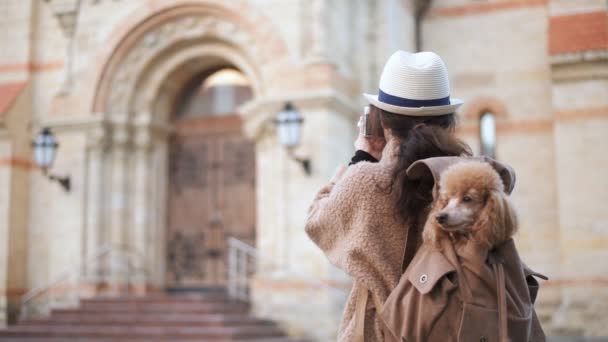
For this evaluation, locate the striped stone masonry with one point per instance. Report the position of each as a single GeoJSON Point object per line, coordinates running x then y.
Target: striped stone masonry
{"type": "Point", "coordinates": [578, 32]}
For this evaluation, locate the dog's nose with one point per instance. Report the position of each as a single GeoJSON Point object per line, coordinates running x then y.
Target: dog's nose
{"type": "Point", "coordinates": [442, 218]}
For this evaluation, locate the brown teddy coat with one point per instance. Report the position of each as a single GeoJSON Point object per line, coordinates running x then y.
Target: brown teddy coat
{"type": "Point", "coordinates": [355, 222]}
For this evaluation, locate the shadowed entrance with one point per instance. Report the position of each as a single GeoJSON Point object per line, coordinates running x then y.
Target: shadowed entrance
{"type": "Point", "coordinates": [211, 188]}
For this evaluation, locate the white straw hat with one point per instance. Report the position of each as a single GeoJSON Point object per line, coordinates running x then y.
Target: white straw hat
{"type": "Point", "coordinates": [415, 84]}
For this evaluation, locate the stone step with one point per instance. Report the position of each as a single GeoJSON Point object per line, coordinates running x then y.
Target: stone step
{"type": "Point", "coordinates": [171, 318]}
{"type": "Point", "coordinates": [90, 331]}
{"type": "Point", "coordinates": [145, 307]}
{"type": "Point", "coordinates": [161, 298]}
{"type": "Point", "coordinates": [140, 339]}
{"type": "Point", "coordinates": [161, 319]}
{"type": "Point", "coordinates": [159, 304]}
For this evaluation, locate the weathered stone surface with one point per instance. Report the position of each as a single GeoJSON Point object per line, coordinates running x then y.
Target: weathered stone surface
{"type": "Point", "coordinates": [130, 61]}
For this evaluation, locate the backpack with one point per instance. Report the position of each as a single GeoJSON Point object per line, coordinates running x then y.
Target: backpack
{"type": "Point", "coordinates": [443, 296]}
{"type": "Point", "coordinates": [469, 295]}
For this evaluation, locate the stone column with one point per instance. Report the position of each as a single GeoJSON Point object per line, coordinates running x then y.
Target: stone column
{"type": "Point", "coordinates": [156, 262]}
{"type": "Point", "coordinates": [17, 239]}
{"type": "Point", "coordinates": [148, 202]}
{"type": "Point", "coordinates": [291, 269]}
{"type": "Point", "coordinates": [580, 105]}
{"type": "Point", "coordinates": [118, 190]}
{"type": "Point", "coordinates": [96, 148]}
{"type": "Point", "coordinates": [5, 181]}
{"type": "Point", "coordinates": [142, 222]}
{"type": "Point", "coordinates": [318, 43]}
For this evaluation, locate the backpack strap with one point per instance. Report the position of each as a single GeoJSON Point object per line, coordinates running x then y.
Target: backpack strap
{"type": "Point", "coordinates": [499, 274]}
{"type": "Point", "coordinates": [411, 243]}
{"type": "Point", "coordinates": [360, 307]}
{"type": "Point", "coordinates": [363, 295]}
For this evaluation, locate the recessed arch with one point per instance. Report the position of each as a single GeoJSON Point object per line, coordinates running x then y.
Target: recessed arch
{"type": "Point", "coordinates": [482, 116]}
{"type": "Point", "coordinates": [154, 54]}
{"type": "Point", "coordinates": [158, 87]}
{"type": "Point", "coordinates": [213, 92]}
{"type": "Point", "coordinates": [487, 134]}
{"type": "Point", "coordinates": [165, 26]}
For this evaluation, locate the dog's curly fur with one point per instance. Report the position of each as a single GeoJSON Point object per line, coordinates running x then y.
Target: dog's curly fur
{"type": "Point", "coordinates": [472, 206]}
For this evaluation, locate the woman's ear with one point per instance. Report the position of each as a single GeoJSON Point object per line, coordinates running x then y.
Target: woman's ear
{"type": "Point", "coordinates": [377, 143]}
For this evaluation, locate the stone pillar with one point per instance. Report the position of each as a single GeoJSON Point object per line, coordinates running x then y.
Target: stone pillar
{"type": "Point", "coordinates": [316, 45]}
{"type": "Point", "coordinates": [580, 85]}
{"type": "Point", "coordinates": [17, 239]}
{"type": "Point", "coordinates": [141, 200]}
{"type": "Point", "coordinates": [5, 177]}
{"type": "Point", "coordinates": [291, 269]}
{"type": "Point", "coordinates": [96, 152]}
{"type": "Point", "coordinates": [156, 260]}
{"type": "Point", "coordinates": [118, 190]}
{"type": "Point", "coordinates": [148, 203]}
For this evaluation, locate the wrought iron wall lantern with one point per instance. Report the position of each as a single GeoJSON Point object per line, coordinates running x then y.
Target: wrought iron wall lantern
{"type": "Point", "coordinates": [289, 127]}
{"type": "Point", "coordinates": [45, 148]}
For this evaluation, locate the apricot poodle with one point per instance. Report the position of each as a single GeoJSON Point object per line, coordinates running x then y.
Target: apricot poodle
{"type": "Point", "coordinates": [472, 206]}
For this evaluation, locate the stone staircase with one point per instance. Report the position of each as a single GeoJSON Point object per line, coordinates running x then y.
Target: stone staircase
{"type": "Point", "coordinates": [170, 318]}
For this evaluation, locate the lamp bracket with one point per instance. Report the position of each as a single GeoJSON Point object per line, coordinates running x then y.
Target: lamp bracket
{"type": "Point", "coordinates": [65, 181]}
{"type": "Point", "coordinates": [305, 162]}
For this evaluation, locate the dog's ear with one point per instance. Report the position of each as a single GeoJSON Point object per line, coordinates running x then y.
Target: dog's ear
{"type": "Point", "coordinates": [498, 220]}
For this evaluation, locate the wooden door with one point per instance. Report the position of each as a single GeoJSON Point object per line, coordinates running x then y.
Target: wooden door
{"type": "Point", "coordinates": [211, 197]}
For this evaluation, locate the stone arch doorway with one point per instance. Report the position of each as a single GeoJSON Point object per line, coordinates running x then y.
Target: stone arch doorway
{"type": "Point", "coordinates": [139, 90]}
{"type": "Point", "coordinates": [211, 186]}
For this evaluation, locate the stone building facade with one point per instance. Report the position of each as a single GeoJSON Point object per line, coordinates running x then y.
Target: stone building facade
{"type": "Point", "coordinates": [109, 76]}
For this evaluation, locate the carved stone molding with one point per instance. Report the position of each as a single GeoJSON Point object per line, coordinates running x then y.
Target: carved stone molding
{"type": "Point", "coordinates": [191, 29]}
{"type": "Point", "coordinates": [259, 113]}
{"type": "Point", "coordinates": [75, 123]}
{"type": "Point", "coordinates": [66, 12]}
{"type": "Point", "coordinates": [315, 46]}
{"type": "Point", "coordinates": [578, 57]}
{"type": "Point", "coordinates": [146, 132]}
{"type": "Point", "coordinates": [121, 132]}
{"type": "Point", "coordinates": [98, 137]}
{"type": "Point", "coordinates": [579, 66]}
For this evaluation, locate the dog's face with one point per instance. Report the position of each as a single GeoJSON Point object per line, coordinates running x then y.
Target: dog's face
{"type": "Point", "coordinates": [471, 205]}
{"type": "Point", "coordinates": [458, 209]}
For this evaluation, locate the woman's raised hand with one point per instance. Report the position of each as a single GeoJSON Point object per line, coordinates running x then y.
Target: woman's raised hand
{"type": "Point", "coordinates": [371, 145]}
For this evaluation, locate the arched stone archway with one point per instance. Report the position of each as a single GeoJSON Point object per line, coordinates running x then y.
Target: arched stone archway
{"type": "Point", "coordinates": [170, 33]}
{"type": "Point", "coordinates": [136, 93]}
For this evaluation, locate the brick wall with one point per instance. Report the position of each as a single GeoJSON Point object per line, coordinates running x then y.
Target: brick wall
{"type": "Point", "coordinates": [578, 32]}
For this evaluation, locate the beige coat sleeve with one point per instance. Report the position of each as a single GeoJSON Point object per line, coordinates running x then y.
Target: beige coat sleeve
{"type": "Point", "coordinates": [338, 219]}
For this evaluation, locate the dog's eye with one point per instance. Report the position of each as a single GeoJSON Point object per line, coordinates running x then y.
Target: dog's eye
{"type": "Point", "coordinates": [467, 199]}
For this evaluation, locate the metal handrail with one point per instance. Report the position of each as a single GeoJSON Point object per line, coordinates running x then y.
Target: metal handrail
{"type": "Point", "coordinates": [238, 272]}
{"type": "Point", "coordinates": [77, 270]}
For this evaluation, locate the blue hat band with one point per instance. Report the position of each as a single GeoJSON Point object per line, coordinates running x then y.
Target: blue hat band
{"type": "Point", "coordinates": [404, 102]}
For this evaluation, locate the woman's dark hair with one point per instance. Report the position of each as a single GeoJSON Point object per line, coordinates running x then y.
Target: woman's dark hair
{"type": "Point", "coordinates": [419, 138]}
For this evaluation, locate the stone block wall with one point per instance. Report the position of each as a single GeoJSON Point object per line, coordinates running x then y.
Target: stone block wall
{"type": "Point", "coordinates": [508, 57]}
{"type": "Point", "coordinates": [578, 46]}
{"type": "Point", "coordinates": [502, 67]}
{"type": "Point", "coordinates": [518, 60]}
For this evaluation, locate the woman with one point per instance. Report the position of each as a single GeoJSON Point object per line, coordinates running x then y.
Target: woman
{"type": "Point", "coordinates": [368, 219]}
